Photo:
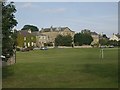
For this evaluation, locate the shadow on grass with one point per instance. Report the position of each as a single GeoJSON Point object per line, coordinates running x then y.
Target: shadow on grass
{"type": "Point", "coordinates": [7, 71]}
{"type": "Point", "coordinates": [103, 71]}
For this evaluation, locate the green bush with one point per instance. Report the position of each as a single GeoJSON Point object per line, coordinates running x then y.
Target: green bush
{"type": "Point", "coordinates": [17, 49]}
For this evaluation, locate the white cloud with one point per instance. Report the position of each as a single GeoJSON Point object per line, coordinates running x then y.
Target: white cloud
{"type": "Point", "coordinates": [54, 10]}
{"type": "Point", "coordinates": [27, 5]}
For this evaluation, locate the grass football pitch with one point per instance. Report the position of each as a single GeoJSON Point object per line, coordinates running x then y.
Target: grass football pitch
{"type": "Point", "coordinates": [63, 68]}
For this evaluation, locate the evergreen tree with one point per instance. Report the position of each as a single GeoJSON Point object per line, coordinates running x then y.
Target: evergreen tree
{"type": "Point", "coordinates": [31, 27]}
{"type": "Point", "coordinates": [8, 22]}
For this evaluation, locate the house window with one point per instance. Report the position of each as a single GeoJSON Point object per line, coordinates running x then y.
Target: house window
{"type": "Point", "coordinates": [24, 43]}
{"type": "Point", "coordinates": [24, 38]}
{"type": "Point", "coordinates": [28, 44]}
{"type": "Point", "coordinates": [32, 43]}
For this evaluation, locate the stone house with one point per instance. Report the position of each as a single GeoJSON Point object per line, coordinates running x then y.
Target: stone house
{"type": "Point", "coordinates": [115, 37]}
{"type": "Point", "coordinates": [25, 39]}
{"type": "Point", "coordinates": [41, 39]}
{"type": "Point", "coordinates": [95, 37]}
{"type": "Point", "coordinates": [53, 32]}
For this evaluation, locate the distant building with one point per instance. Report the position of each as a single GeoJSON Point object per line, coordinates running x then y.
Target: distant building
{"type": "Point", "coordinates": [53, 32]}
{"type": "Point", "coordinates": [115, 37]}
{"type": "Point", "coordinates": [25, 39]}
{"type": "Point", "coordinates": [87, 31]}
{"type": "Point", "coordinates": [95, 37]}
{"type": "Point", "coordinates": [41, 39]}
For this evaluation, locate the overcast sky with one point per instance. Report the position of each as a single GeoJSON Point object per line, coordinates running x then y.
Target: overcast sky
{"type": "Point", "coordinates": [96, 16]}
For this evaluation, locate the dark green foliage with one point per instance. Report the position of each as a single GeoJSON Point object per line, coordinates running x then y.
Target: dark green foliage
{"type": "Point", "coordinates": [31, 27]}
{"type": "Point", "coordinates": [104, 36]}
{"type": "Point", "coordinates": [78, 39]}
{"type": "Point", "coordinates": [49, 44]}
{"type": "Point", "coordinates": [8, 22]}
{"type": "Point", "coordinates": [113, 42]}
{"type": "Point", "coordinates": [82, 39]}
{"type": "Point", "coordinates": [119, 43]}
{"type": "Point", "coordinates": [14, 37]}
{"type": "Point", "coordinates": [103, 41]}
{"type": "Point", "coordinates": [58, 40]}
{"type": "Point", "coordinates": [87, 39]}
{"type": "Point", "coordinates": [17, 49]}
{"type": "Point", "coordinates": [63, 40]}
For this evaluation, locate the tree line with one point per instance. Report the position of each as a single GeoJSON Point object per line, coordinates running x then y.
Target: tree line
{"type": "Point", "coordinates": [79, 39]}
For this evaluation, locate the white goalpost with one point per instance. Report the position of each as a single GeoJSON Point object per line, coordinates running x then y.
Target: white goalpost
{"type": "Point", "coordinates": [101, 53]}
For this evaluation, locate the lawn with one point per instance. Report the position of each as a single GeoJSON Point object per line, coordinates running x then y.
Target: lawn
{"type": "Point", "coordinates": [63, 68]}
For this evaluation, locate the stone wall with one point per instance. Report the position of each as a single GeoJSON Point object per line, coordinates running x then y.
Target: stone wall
{"type": "Point", "coordinates": [10, 61]}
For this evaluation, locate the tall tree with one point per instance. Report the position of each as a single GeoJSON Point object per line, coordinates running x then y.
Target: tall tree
{"type": "Point", "coordinates": [31, 27]}
{"type": "Point", "coordinates": [63, 40]}
{"type": "Point", "coordinates": [104, 36]}
{"type": "Point", "coordinates": [82, 38]}
{"type": "Point", "coordinates": [78, 39]}
{"type": "Point", "coordinates": [8, 22]}
{"type": "Point", "coordinates": [58, 40]}
{"type": "Point", "coordinates": [104, 40]}
{"type": "Point", "coordinates": [87, 39]}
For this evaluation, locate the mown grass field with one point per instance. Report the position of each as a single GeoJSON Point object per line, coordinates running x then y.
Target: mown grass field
{"type": "Point", "coordinates": [63, 68]}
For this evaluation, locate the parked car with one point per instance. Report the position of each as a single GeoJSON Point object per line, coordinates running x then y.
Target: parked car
{"type": "Point", "coordinates": [43, 48]}
{"type": "Point", "coordinates": [111, 46]}
{"type": "Point", "coordinates": [102, 46]}
{"type": "Point", "coordinates": [36, 48]}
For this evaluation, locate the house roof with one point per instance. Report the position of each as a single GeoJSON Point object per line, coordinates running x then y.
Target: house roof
{"type": "Point", "coordinates": [88, 32]}
{"type": "Point", "coordinates": [118, 35]}
{"type": "Point", "coordinates": [49, 29]}
{"type": "Point", "coordinates": [93, 33]}
{"type": "Point", "coordinates": [37, 33]}
{"type": "Point", "coordinates": [24, 32]}
{"type": "Point", "coordinates": [57, 29]}
{"type": "Point", "coordinates": [63, 28]}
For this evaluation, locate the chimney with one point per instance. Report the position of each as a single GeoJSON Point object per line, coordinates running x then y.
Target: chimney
{"type": "Point", "coordinates": [51, 28]}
